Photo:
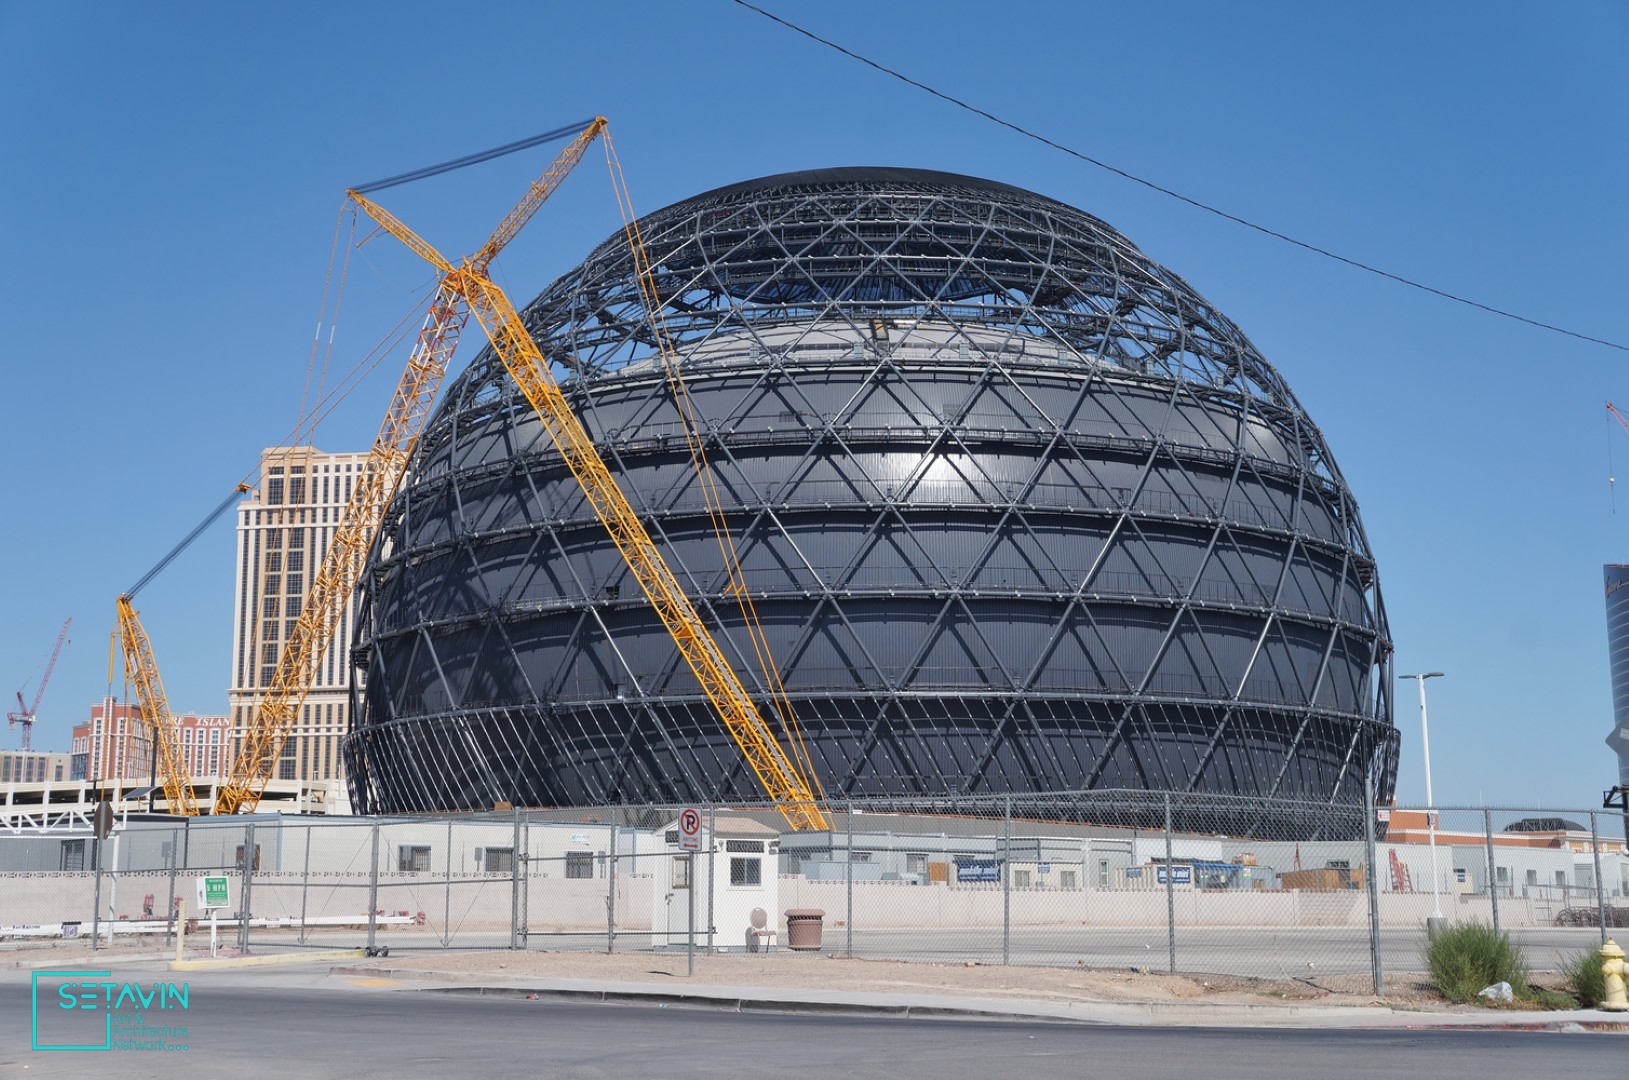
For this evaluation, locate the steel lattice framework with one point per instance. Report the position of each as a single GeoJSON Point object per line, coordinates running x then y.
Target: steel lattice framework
{"type": "Point", "coordinates": [1019, 510]}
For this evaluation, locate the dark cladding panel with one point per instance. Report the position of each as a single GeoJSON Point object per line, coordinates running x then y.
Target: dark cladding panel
{"type": "Point", "coordinates": [1019, 510]}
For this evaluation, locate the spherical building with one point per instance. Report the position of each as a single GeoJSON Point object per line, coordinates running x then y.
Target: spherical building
{"type": "Point", "coordinates": [1020, 513]}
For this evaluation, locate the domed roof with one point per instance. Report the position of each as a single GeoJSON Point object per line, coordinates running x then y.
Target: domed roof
{"type": "Point", "coordinates": [864, 242]}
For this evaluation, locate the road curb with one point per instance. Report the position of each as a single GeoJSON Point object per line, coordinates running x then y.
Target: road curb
{"type": "Point", "coordinates": [95, 960]}
{"type": "Point", "coordinates": [732, 1003]}
{"type": "Point", "coordinates": [222, 963]}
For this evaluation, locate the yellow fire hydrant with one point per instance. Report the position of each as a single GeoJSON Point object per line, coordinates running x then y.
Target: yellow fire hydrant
{"type": "Point", "coordinates": [1614, 1000]}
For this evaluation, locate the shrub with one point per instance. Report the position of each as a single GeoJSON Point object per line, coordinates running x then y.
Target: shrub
{"type": "Point", "coordinates": [1466, 957]}
{"type": "Point", "coordinates": [1583, 972]}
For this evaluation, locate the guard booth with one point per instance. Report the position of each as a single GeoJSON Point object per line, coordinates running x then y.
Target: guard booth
{"type": "Point", "coordinates": [736, 874]}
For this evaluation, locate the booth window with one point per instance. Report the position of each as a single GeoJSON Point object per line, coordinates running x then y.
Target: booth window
{"type": "Point", "coordinates": [412, 857]}
{"type": "Point", "coordinates": [579, 864]}
{"type": "Point", "coordinates": [746, 871]}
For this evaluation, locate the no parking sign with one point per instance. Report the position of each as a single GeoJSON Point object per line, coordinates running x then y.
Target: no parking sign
{"type": "Point", "coordinates": [690, 829]}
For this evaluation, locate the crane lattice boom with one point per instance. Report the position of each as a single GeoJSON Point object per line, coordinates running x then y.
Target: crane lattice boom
{"type": "Point", "coordinates": [331, 590]}
{"type": "Point", "coordinates": [142, 670]}
{"type": "Point", "coordinates": [777, 773]}
{"type": "Point", "coordinates": [148, 687]}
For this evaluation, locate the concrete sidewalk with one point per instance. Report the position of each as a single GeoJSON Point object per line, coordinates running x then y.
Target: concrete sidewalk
{"type": "Point", "coordinates": [794, 999]}
{"type": "Point", "coordinates": [808, 985]}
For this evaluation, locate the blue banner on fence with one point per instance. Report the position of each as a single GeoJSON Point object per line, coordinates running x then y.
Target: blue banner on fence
{"type": "Point", "coordinates": [981, 870]}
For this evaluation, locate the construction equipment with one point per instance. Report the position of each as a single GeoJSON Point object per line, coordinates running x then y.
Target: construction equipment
{"type": "Point", "coordinates": [324, 605]}
{"type": "Point", "coordinates": [777, 771]}
{"type": "Point", "coordinates": [141, 668]}
{"type": "Point", "coordinates": [25, 713]}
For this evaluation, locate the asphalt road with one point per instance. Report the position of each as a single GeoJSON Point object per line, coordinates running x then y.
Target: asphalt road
{"type": "Point", "coordinates": [288, 1029]}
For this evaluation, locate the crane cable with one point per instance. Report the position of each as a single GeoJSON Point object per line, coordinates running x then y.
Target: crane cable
{"type": "Point", "coordinates": [706, 476]}
{"type": "Point", "coordinates": [1177, 195]}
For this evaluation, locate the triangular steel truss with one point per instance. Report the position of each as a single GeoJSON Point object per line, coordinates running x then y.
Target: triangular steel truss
{"type": "Point", "coordinates": [1019, 510]}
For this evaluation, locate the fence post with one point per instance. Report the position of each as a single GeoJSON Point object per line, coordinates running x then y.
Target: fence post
{"type": "Point", "coordinates": [848, 869]}
{"type": "Point", "coordinates": [712, 869]}
{"type": "Point", "coordinates": [244, 906]}
{"type": "Point", "coordinates": [446, 896]}
{"type": "Point", "coordinates": [1373, 878]}
{"type": "Point", "coordinates": [1170, 888]}
{"type": "Point", "coordinates": [1006, 883]}
{"type": "Point", "coordinates": [96, 897]}
{"type": "Point", "coordinates": [373, 891]}
{"type": "Point", "coordinates": [1600, 891]}
{"type": "Point", "coordinates": [305, 880]}
{"type": "Point", "coordinates": [611, 889]}
{"type": "Point", "coordinates": [169, 901]}
{"type": "Point", "coordinates": [517, 855]}
{"type": "Point", "coordinates": [1493, 871]}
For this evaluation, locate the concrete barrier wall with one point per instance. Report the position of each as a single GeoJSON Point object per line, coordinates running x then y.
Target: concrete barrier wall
{"type": "Point", "coordinates": [470, 903]}
{"type": "Point", "coordinates": [896, 905]}
{"type": "Point", "coordinates": [562, 905]}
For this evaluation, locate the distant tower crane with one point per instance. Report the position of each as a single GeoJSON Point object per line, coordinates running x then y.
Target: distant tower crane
{"type": "Point", "coordinates": [25, 713]}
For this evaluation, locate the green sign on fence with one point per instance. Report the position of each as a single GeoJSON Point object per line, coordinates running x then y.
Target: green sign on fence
{"type": "Point", "coordinates": [213, 893]}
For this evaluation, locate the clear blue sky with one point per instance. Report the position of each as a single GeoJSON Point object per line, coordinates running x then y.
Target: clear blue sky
{"type": "Point", "coordinates": [172, 174]}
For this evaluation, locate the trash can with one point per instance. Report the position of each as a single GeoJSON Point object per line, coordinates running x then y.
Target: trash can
{"type": "Point", "coordinates": [803, 928]}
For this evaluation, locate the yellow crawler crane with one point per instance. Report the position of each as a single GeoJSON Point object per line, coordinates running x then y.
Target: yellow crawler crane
{"type": "Point", "coordinates": [141, 668]}
{"type": "Point", "coordinates": [335, 581]}
{"type": "Point", "coordinates": [777, 772]}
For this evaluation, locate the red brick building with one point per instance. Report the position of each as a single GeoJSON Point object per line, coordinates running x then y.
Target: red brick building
{"type": "Point", "coordinates": [114, 744]}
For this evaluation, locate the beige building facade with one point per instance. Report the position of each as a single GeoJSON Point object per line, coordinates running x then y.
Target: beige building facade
{"type": "Point", "coordinates": [34, 766]}
{"type": "Point", "coordinates": [284, 527]}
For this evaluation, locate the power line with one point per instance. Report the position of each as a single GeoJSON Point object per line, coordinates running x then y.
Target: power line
{"type": "Point", "coordinates": [1195, 203]}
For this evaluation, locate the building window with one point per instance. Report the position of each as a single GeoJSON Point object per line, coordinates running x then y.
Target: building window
{"type": "Point", "coordinates": [746, 871]}
{"type": "Point", "coordinates": [1102, 873]}
{"type": "Point", "coordinates": [73, 854]}
{"type": "Point", "coordinates": [413, 857]}
{"type": "Point", "coordinates": [916, 862]}
{"type": "Point", "coordinates": [1066, 879]}
{"type": "Point", "coordinates": [240, 857]}
{"type": "Point", "coordinates": [498, 860]}
{"type": "Point", "coordinates": [681, 871]}
{"type": "Point", "coordinates": [579, 864]}
{"type": "Point", "coordinates": [1020, 879]}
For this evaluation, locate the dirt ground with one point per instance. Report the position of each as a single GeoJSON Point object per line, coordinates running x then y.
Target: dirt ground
{"type": "Point", "coordinates": [789, 969]}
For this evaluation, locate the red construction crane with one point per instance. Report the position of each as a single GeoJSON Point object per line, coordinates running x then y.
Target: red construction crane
{"type": "Point", "coordinates": [25, 713]}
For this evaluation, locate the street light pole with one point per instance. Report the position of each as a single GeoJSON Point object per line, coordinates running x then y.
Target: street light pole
{"type": "Point", "coordinates": [1430, 818]}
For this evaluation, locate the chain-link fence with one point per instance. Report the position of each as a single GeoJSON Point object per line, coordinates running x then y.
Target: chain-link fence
{"type": "Point", "coordinates": [1189, 884]}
